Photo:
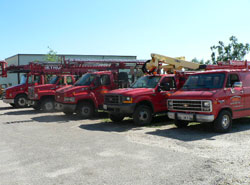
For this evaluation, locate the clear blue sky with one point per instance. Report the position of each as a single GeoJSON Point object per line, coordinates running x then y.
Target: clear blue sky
{"type": "Point", "coordinates": [121, 27]}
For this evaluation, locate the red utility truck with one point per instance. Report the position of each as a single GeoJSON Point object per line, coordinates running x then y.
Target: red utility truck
{"type": "Point", "coordinates": [87, 94]}
{"type": "Point", "coordinates": [43, 96]}
{"type": "Point", "coordinates": [16, 96]}
{"type": "Point", "coordinates": [214, 96]}
{"type": "Point", "coordinates": [147, 96]}
{"type": "Point", "coordinates": [35, 73]}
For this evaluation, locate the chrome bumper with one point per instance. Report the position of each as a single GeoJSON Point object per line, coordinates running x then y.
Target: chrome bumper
{"type": "Point", "coordinates": [191, 117]}
{"type": "Point", "coordinates": [8, 100]}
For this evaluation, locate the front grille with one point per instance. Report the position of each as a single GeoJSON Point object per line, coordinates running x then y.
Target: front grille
{"type": "Point", "coordinates": [112, 99]}
{"type": "Point", "coordinates": [189, 105]}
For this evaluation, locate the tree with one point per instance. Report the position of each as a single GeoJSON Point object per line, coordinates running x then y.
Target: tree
{"type": "Point", "coordinates": [195, 60]}
{"type": "Point", "coordinates": [232, 51]}
{"type": "Point", "coordinates": [52, 55]}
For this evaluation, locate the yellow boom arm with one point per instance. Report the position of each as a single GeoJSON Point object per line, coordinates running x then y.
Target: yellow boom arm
{"type": "Point", "coordinates": [172, 63]}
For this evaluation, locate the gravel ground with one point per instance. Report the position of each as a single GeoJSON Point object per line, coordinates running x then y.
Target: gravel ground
{"type": "Point", "coordinates": [51, 148]}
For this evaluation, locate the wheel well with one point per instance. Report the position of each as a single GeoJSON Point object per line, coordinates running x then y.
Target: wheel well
{"type": "Point", "coordinates": [86, 100]}
{"type": "Point", "coordinates": [21, 95]}
{"type": "Point", "coordinates": [227, 109]}
{"type": "Point", "coordinates": [147, 103]}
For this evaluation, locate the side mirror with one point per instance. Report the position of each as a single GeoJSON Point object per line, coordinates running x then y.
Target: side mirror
{"type": "Point", "coordinates": [237, 84]}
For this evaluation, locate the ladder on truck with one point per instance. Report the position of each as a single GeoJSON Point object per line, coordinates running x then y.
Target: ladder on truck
{"type": "Point", "coordinates": [79, 67]}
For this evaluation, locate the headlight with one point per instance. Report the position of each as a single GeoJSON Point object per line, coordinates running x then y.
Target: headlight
{"type": "Point", "coordinates": [127, 99]}
{"type": "Point", "coordinates": [69, 99]}
{"type": "Point", "coordinates": [36, 95]}
{"type": "Point", "coordinates": [206, 104]}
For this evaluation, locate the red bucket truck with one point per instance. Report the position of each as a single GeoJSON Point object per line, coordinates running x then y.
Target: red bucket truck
{"type": "Point", "coordinates": [147, 96]}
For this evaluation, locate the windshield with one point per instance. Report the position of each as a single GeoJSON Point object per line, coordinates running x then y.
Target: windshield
{"type": "Point", "coordinates": [23, 79]}
{"type": "Point", "coordinates": [146, 82]}
{"type": "Point", "coordinates": [86, 79]}
{"type": "Point", "coordinates": [199, 81]}
{"type": "Point", "coordinates": [53, 80]}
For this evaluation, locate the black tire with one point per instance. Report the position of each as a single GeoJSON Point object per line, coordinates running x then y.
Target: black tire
{"type": "Point", "coordinates": [68, 113]}
{"type": "Point", "coordinates": [180, 123]}
{"type": "Point", "coordinates": [223, 123]}
{"type": "Point", "coordinates": [142, 115]}
{"type": "Point", "coordinates": [20, 101]}
{"type": "Point", "coordinates": [116, 118]}
{"type": "Point", "coordinates": [37, 106]}
{"type": "Point", "coordinates": [85, 110]}
{"type": "Point", "coordinates": [48, 105]}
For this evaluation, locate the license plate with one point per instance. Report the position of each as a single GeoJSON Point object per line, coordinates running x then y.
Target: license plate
{"type": "Point", "coordinates": [186, 117]}
{"type": "Point", "coordinates": [105, 107]}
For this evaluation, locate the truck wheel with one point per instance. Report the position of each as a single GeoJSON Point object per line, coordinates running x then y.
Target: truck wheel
{"type": "Point", "coordinates": [142, 115]}
{"type": "Point", "coordinates": [116, 118]}
{"type": "Point", "coordinates": [20, 101]}
{"type": "Point", "coordinates": [181, 124]}
{"type": "Point", "coordinates": [48, 105]}
{"type": "Point", "coordinates": [223, 123]}
{"type": "Point", "coordinates": [85, 110]}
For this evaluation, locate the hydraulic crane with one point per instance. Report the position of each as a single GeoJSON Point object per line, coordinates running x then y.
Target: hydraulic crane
{"type": "Point", "coordinates": [172, 64]}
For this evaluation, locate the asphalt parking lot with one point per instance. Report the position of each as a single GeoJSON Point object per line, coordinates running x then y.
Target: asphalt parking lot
{"type": "Point", "coordinates": [51, 148]}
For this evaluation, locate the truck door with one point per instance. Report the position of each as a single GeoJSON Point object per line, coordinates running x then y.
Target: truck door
{"type": "Point", "coordinates": [60, 82]}
{"type": "Point", "coordinates": [159, 99]}
{"type": "Point", "coordinates": [103, 87]}
{"type": "Point", "coordinates": [235, 95]}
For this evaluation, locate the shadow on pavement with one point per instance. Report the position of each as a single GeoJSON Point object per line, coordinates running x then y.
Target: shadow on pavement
{"type": "Point", "coordinates": [66, 118]}
{"type": "Point", "coordinates": [200, 131]}
{"type": "Point", "coordinates": [125, 125]}
{"type": "Point", "coordinates": [6, 108]}
{"type": "Point", "coordinates": [23, 112]}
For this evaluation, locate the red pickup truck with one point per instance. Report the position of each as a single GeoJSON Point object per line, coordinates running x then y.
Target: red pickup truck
{"type": "Point", "coordinates": [144, 99]}
{"type": "Point", "coordinates": [215, 96]}
{"type": "Point", "coordinates": [43, 96]}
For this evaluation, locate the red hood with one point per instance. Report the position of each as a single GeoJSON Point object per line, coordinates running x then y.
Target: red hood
{"type": "Point", "coordinates": [71, 88]}
{"type": "Point", "coordinates": [132, 91]}
{"type": "Point", "coordinates": [193, 94]}
{"type": "Point", "coordinates": [16, 87]}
